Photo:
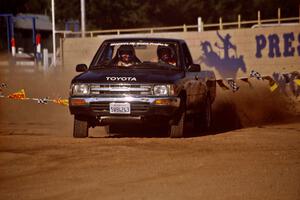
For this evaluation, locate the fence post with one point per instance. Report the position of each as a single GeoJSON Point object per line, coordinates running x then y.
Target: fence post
{"type": "Point", "coordinates": [258, 18]}
{"type": "Point", "coordinates": [61, 49]}
{"type": "Point", "coordinates": [220, 23]}
{"type": "Point", "coordinates": [200, 27]}
{"type": "Point", "coordinates": [184, 28]}
{"type": "Point", "coordinates": [38, 48]}
{"type": "Point", "coordinates": [151, 30]}
{"type": "Point", "coordinates": [239, 21]}
{"type": "Point", "coordinates": [279, 15]}
{"type": "Point", "coordinates": [13, 46]}
{"type": "Point", "coordinates": [45, 59]}
{"type": "Point", "coordinates": [118, 32]}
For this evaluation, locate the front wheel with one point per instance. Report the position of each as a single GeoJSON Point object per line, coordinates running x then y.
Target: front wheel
{"type": "Point", "coordinates": [80, 127]}
{"type": "Point", "coordinates": [178, 130]}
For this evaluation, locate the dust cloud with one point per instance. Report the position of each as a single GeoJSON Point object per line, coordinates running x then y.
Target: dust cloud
{"type": "Point", "coordinates": [253, 105]}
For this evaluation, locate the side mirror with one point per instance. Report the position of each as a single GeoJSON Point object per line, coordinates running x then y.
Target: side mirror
{"type": "Point", "coordinates": [194, 68]}
{"type": "Point", "coordinates": [81, 68]}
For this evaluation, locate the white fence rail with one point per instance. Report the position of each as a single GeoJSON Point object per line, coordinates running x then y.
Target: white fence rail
{"type": "Point", "coordinates": [185, 28]}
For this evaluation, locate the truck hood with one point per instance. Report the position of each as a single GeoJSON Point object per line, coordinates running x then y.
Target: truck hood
{"type": "Point", "coordinates": [129, 76]}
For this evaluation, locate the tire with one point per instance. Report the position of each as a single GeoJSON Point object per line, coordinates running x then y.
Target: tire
{"type": "Point", "coordinates": [203, 120]}
{"type": "Point", "coordinates": [178, 131]}
{"type": "Point", "coordinates": [80, 127]}
{"type": "Point", "coordinates": [111, 129]}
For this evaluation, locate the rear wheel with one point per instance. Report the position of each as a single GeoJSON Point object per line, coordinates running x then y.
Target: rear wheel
{"type": "Point", "coordinates": [202, 122]}
{"type": "Point", "coordinates": [80, 127]}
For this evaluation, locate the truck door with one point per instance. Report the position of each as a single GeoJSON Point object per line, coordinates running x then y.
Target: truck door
{"type": "Point", "coordinates": [193, 83]}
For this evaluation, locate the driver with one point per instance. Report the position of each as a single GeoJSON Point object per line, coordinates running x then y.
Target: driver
{"type": "Point", "coordinates": [126, 56]}
{"type": "Point", "coordinates": [165, 55]}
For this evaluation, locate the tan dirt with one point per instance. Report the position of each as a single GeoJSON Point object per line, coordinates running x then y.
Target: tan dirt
{"type": "Point", "coordinates": [253, 151]}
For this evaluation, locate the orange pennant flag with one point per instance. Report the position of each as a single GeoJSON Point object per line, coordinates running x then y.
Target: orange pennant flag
{"type": "Point", "coordinates": [64, 102]}
{"type": "Point", "coordinates": [18, 95]}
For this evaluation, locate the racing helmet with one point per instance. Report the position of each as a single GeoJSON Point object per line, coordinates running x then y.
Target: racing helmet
{"type": "Point", "coordinates": [165, 53]}
{"type": "Point", "coordinates": [126, 53]}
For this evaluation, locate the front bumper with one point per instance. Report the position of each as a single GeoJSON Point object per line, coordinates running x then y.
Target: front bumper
{"type": "Point", "coordinates": [142, 108]}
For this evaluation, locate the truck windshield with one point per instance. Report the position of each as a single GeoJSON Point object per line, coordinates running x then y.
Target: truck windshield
{"type": "Point", "coordinates": [140, 54]}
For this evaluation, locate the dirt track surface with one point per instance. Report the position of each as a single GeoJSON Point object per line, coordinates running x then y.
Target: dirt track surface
{"type": "Point", "coordinates": [253, 163]}
{"type": "Point", "coordinates": [253, 151]}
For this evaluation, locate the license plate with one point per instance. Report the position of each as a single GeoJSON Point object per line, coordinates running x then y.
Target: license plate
{"type": "Point", "coordinates": [119, 108]}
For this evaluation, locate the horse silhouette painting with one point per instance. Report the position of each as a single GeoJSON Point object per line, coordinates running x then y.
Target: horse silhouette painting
{"type": "Point", "coordinates": [228, 64]}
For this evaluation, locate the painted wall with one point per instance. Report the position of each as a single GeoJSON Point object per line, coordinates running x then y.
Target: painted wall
{"type": "Point", "coordinates": [230, 53]}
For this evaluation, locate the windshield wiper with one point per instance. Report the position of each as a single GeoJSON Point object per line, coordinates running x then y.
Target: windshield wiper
{"type": "Point", "coordinates": [167, 66]}
{"type": "Point", "coordinates": [154, 65]}
{"type": "Point", "coordinates": [97, 67]}
{"type": "Point", "coordinates": [100, 66]}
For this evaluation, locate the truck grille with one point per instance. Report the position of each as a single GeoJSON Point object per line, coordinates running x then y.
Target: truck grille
{"type": "Point", "coordinates": [120, 89]}
{"type": "Point", "coordinates": [136, 107]}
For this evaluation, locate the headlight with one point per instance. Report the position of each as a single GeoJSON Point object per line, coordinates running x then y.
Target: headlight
{"type": "Point", "coordinates": [163, 90]}
{"type": "Point", "coordinates": [81, 89]}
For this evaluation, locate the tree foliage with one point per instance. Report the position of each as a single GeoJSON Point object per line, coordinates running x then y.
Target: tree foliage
{"type": "Point", "coordinates": [110, 14]}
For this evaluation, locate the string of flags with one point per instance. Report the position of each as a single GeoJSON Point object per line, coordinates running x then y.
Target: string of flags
{"type": "Point", "coordinates": [21, 95]}
{"type": "Point", "coordinates": [276, 81]}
